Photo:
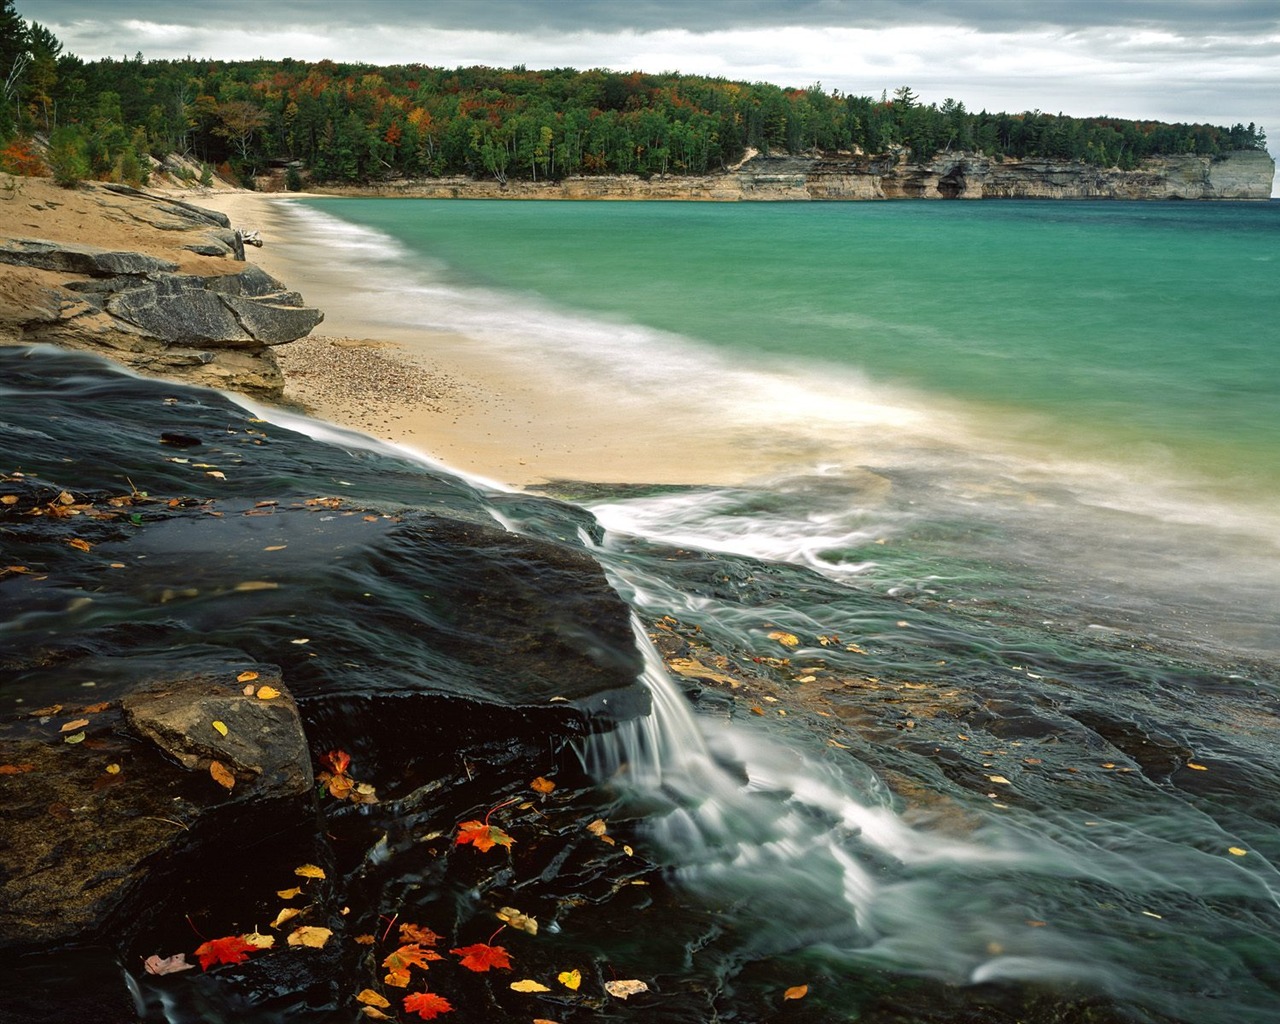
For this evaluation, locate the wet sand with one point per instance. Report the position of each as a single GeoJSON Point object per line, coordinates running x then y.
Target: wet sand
{"type": "Point", "coordinates": [518, 421]}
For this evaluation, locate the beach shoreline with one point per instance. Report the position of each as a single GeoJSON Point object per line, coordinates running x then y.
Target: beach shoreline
{"type": "Point", "coordinates": [518, 420]}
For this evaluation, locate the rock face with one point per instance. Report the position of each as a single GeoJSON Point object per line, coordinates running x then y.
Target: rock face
{"type": "Point", "coordinates": [189, 308]}
{"type": "Point", "coordinates": [1239, 175]}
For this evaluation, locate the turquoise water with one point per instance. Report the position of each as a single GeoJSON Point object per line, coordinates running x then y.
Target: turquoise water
{"type": "Point", "coordinates": [1026, 474]}
{"type": "Point", "coordinates": [1121, 324]}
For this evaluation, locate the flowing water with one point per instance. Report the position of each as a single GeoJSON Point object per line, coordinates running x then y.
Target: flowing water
{"type": "Point", "coordinates": [1020, 528]}
{"type": "Point", "coordinates": [971, 712]}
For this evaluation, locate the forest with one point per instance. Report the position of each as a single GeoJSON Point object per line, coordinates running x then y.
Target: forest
{"type": "Point", "coordinates": [354, 123]}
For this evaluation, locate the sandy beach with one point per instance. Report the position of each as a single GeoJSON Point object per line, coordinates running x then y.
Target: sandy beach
{"type": "Point", "coordinates": [517, 422]}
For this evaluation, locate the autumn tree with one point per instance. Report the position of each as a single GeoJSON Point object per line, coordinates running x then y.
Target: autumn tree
{"type": "Point", "coordinates": [240, 120]}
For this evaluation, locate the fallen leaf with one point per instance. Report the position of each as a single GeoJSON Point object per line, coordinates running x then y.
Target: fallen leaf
{"type": "Point", "coordinates": [1000, 779]}
{"type": "Point", "coordinates": [248, 690]}
{"type": "Point", "coordinates": [426, 1005]}
{"type": "Point", "coordinates": [543, 786]}
{"type": "Point", "coordinates": [528, 985]}
{"type": "Point", "coordinates": [222, 775]}
{"type": "Point", "coordinates": [267, 693]}
{"type": "Point", "coordinates": [570, 979]}
{"type": "Point", "coordinates": [309, 935]}
{"type": "Point", "coordinates": [374, 1013]}
{"type": "Point", "coordinates": [301, 640]}
{"type": "Point", "coordinates": [786, 639]}
{"type": "Point", "coordinates": [337, 761]}
{"type": "Point", "coordinates": [516, 919]}
{"type": "Point", "coordinates": [1237, 851]}
{"type": "Point", "coordinates": [286, 914]}
{"type": "Point", "coordinates": [309, 871]}
{"type": "Point", "coordinates": [246, 677]}
{"type": "Point", "coordinates": [230, 949]}
{"type": "Point", "coordinates": [16, 769]}
{"type": "Point", "coordinates": [796, 992]}
{"type": "Point", "coordinates": [598, 827]}
{"type": "Point", "coordinates": [275, 547]}
{"type": "Point", "coordinates": [398, 979]}
{"type": "Point", "coordinates": [413, 933]}
{"type": "Point", "coordinates": [483, 837]}
{"type": "Point", "coordinates": [93, 709]}
{"type": "Point", "coordinates": [78, 544]}
{"type": "Point", "coordinates": [481, 957]}
{"type": "Point", "coordinates": [1197, 767]}
{"type": "Point", "coordinates": [365, 940]}
{"type": "Point", "coordinates": [52, 709]}
{"type": "Point", "coordinates": [75, 738]}
{"type": "Point", "coordinates": [411, 954]}
{"type": "Point", "coordinates": [623, 989]}
{"type": "Point", "coordinates": [259, 941]}
{"type": "Point", "coordinates": [371, 998]}
{"type": "Point", "coordinates": [288, 894]}
{"type": "Point", "coordinates": [79, 723]}
{"type": "Point", "coordinates": [216, 474]}
{"type": "Point", "coordinates": [167, 965]}
{"type": "Point", "coordinates": [220, 727]}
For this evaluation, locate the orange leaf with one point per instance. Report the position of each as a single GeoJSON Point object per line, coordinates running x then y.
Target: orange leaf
{"type": "Point", "coordinates": [483, 837]}
{"type": "Point", "coordinates": [79, 723]}
{"type": "Point", "coordinates": [78, 544]}
{"type": "Point", "coordinates": [417, 934]}
{"type": "Point", "coordinates": [337, 761]}
{"type": "Point", "coordinates": [796, 992]}
{"type": "Point", "coordinates": [230, 949]}
{"type": "Point", "coordinates": [16, 769]}
{"type": "Point", "coordinates": [399, 979]}
{"type": "Point", "coordinates": [246, 677]}
{"type": "Point", "coordinates": [426, 1005]}
{"type": "Point", "coordinates": [410, 955]}
{"type": "Point", "coordinates": [480, 957]}
{"type": "Point", "coordinates": [222, 775]}
{"type": "Point", "coordinates": [371, 998]}
{"type": "Point", "coordinates": [541, 785]}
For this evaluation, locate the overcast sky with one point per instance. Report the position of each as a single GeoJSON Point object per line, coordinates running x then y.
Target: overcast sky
{"type": "Point", "coordinates": [1215, 61]}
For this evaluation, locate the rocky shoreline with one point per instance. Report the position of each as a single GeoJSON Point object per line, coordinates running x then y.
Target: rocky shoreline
{"type": "Point", "coordinates": [1242, 175]}
{"type": "Point", "coordinates": [169, 295]}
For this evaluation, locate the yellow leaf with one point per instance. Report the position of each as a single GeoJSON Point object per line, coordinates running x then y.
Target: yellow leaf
{"type": "Point", "coordinates": [397, 978]}
{"type": "Point", "coordinates": [216, 474]}
{"type": "Point", "coordinates": [516, 919]}
{"type": "Point", "coordinates": [796, 992]}
{"type": "Point", "coordinates": [598, 827]}
{"type": "Point", "coordinates": [309, 871]}
{"type": "Point", "coordinates": [528, 985]}
{"type": "Point", "coordinates": [286, 914]}
{"type": "Point", "coordinates": [374, 1013]}
{"type": "Point", "coordinates": [78, 544]}
{"type": "Point", "coordinates": [541, 785]}
{"type": "Point", "coordinates": [113, 769]}
{"type": "Point", "coordinates": [570, 979]}
{"type": "Point", "coordinates": [786, 639]}
{"type": "Point", "coordinates": [288, 894]}
{"type": "Point", "coordinates": [1000, 779]}
{"type": "Point", "coordinates": [309, 935]}
{"type": "Point", "coordinates": [371, 998]}
{"type": "Point", "coordinates": [275, 547]}
{"type": "Point", "coordinates": [267, 693]}
{"type": "Point", "coordinates": [257, 940]}
{"type": "Point", "coordinates": [75, 738]}
{"type": "Point", "coordinates": [79, 723]}
{"type": "Point", "coordinates": [246, 677]}
{"type": "Point", "coordinates": [1236, 851]}
{"type": "Point", "coordinates": [301, 640]}
{"type": "Point", "coordinates": [1197, 767]}
{"type": "Point", "coordinates": [622, 989]}
{"type": "Point", "coordinates": [220, 727]}
{"type": "Point", "coordinates": [222, 775]}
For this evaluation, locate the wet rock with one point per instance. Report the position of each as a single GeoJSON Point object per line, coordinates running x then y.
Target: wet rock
{"type": "Point", "coordinates": [263, 745]}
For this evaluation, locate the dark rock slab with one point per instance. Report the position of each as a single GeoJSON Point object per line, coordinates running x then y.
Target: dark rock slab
{"type": "Point", "coordinates": [78, 258]}
{"type": "Point", "coordinates": [264, 745]}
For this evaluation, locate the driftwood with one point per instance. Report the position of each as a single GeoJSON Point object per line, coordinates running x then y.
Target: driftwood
{"type": "Point", "coordinates": [249, 237]}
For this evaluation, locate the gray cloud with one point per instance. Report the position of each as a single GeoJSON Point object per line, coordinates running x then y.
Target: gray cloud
{"type": "Point", "coordinates": [1189, 16]}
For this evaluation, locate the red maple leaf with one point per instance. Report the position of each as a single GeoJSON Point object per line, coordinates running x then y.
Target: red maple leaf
{"type": "Point", "coordinates": [483, 835]}
{"type": "Point", "coordinates": [481, 957]}
{"type": "Point", "coordinates": [426, 1005]}
{"type": "Point", "coordinates": [230, 949]}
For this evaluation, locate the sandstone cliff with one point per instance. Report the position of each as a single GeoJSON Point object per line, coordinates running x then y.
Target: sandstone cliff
{"type": "Point", "coordinates": [156, 284]}
{"type": "Point", "coordinates": [1239, 175]}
